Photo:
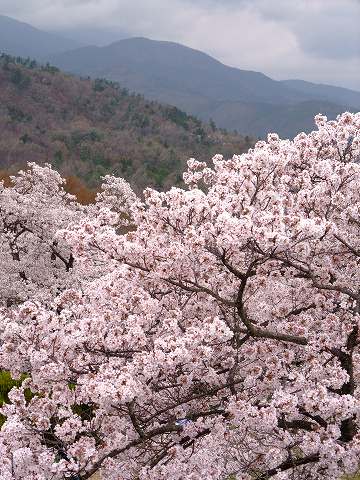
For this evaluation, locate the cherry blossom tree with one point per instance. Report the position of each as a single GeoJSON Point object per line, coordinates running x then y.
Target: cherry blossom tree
{"type": "Point", "coordinates": [33, 263]}
{"type": "Point", "coordinates": [217, 339]}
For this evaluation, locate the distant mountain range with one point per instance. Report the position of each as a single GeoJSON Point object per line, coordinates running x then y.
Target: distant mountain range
{"type": "Point", "coordinates": [247, 101]}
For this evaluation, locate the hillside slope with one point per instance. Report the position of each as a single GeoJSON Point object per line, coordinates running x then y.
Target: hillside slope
{"type": "Point", "coordinates": [244, 100]}
{"type": "Point", "coordinates": [90, 128]}
{"type": "Point", "coordinates": [262, 118]}
{"type": "Point", "coordinates": [324, 92]}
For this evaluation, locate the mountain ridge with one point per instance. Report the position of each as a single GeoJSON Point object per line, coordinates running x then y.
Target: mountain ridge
{"type": "Point", "coordinates": [247, 101]}
{"type": "Point", "coordinates": [176, 58]}
{"type": "Point", "coordinates": [244, 100]}
{"type": "Point", "coordinates": [22, 39]}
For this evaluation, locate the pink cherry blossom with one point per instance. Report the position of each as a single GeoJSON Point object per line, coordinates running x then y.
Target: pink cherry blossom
{"type": "Point", "coordinates": [210, 332]}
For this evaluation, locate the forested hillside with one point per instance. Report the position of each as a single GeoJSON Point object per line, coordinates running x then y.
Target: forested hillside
{"type": "Point", "coordinates": [88, 128]}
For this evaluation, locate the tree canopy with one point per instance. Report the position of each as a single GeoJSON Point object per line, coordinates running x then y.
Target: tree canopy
{"type": "Point", "coordinates": [210, 332]}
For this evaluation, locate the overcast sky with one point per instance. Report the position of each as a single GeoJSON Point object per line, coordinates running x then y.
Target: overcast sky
{"type": "Point", "coordinates": [316, 40]}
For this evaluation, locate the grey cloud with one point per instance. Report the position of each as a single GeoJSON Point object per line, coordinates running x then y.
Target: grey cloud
{"type": "Point", "coordinates": [325, 28]}
{"type": "Point", "coordinates": [335, 42]}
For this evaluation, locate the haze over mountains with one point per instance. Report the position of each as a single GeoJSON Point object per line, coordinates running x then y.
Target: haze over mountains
{"type": "Point", "coordinates": [247, 101]}
{"type": "Point", "coordinates": [18, 38]}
